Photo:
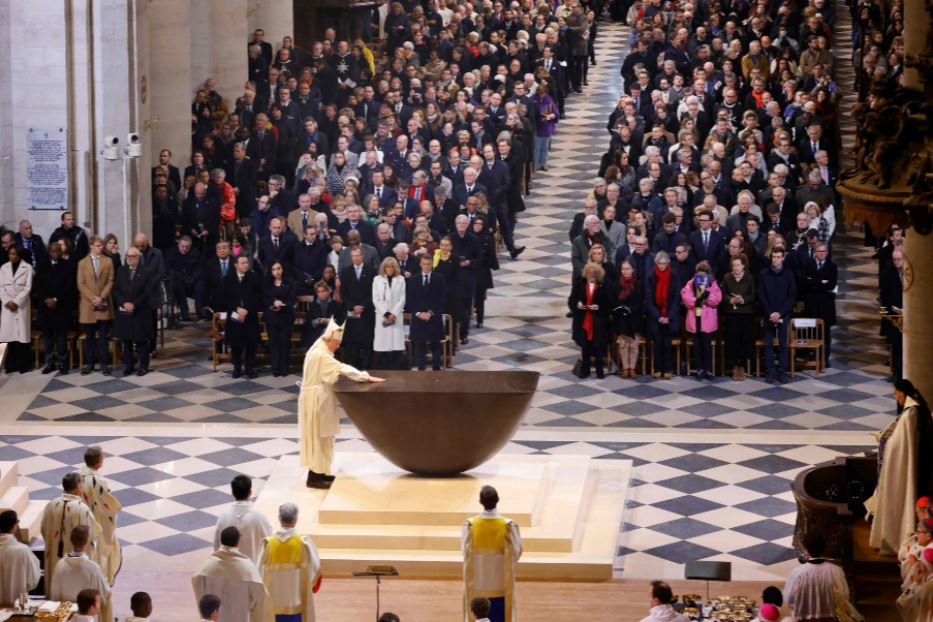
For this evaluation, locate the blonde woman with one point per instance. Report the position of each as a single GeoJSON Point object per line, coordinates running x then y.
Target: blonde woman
{"type": "Point", "coordinates": [389, 303]}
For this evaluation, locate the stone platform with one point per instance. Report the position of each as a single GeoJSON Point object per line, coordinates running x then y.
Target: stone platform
{"type": "Point", "coordinates": [569, 509]}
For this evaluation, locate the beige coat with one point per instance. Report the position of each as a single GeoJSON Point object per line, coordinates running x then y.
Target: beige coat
{"type": "Point", "coordinates": [15, 325]}
{"type": "Point", "coordinates": [90, 287]}
{"type": "Point", "coordinates": [294, 221]}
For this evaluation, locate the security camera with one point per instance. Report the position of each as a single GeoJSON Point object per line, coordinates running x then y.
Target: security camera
{"type": "Point", "coordinates": [134, 148]}
{"type": "Point", "coordinates": [110, 148]}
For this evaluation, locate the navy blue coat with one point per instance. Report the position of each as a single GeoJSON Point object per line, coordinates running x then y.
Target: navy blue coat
{"type": "Point", "coordinates": [777, 291]}
{"type": "Point", "coordinates": [466, 247]}
{"type": "Point", "coordinates": [653, 312]}
{"type": "Point", "coordinates": [419, 298]}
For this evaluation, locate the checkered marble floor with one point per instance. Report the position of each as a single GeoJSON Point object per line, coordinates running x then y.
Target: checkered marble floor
{"type": "Point", "coordinates": [713, 462]}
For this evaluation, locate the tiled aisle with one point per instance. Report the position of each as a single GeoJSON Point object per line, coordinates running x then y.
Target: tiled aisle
{"type": "Point", "coordinates": [712, 463]}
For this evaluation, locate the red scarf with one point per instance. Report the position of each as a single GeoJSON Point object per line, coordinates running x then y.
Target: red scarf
{"type": "Point", "coordinates": [588, 316]}
{"type": "Point", "coordinates": [661, 289]}
{"type": "Point", "coordinates": [626, 287]}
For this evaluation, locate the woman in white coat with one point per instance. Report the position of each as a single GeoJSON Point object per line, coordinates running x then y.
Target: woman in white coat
{"type": "Point", "coordinates": [389, 302]}
{"type": "Point", "coordinates": [15, 311]}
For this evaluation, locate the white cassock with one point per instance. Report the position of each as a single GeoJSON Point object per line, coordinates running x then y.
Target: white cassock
{"type": "Point", "coordinates": [60, 517]}
{"type": "Point", "coordinates": [492, 546]}
{"type": "Point", "coordinates": [252, 525]}
{"type": "Point", "coordinates": [808, 591]}
{"type": "Point", "coordinates": [19, 568]}
{"type": "Point", "coordinates": [291, 569]}
{"type": "Point", "coordinates": [76, 572]}
{"type": "Point", "coordinates": [318, 420]}
{"type": "Point", "coordinates": [233, 577]}
{"type": "Point", "coordinates": [892, 505]}
{"type": "Point", "coordinates": [97, 496]}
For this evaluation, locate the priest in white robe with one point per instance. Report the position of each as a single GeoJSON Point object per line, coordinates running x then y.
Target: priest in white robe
{"type": "Point", "coordinates": [902, 464]}
{"type": "Point", "coordinates": [252, 525]}
{"type": "Point", "coordinates": [233, 577]}
{"type": "Point", "coordinates": [318, 420]}
{"type": "Point", "coordinates": [60, 517]}
{"type": "Point", "coordinates": [808, 591]}
{"type": "Point", "coordinates": [108, 553]}
{"type": "Point", "coordinates": [19, 567]}
{"type": "Point", "coordinates": [492, 546]}
{"type": "Point", "coordinates": [291, 570]}
{"type": "Point", "coordinates": [76, 572]}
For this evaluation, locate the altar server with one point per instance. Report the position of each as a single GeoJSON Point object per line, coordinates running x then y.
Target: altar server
{"type": "Point", "coordinates": [317, 405]}
{"type": "Point", "coordinates": [97, 496]}
{"type": "Point", "coordinates": [491, 547]}
{"type": "Point", "coordinates": [77, 572]}
{"type": "Point", "coordinates": [809, 587]}
{"type": "Point", "coordinates": [291, 569]}
{"type": "Point", "coordinates": [233, 577]}
{"type": "Point", "coordinates": [19, 568]}
{"type": "Point", "coordinates": [61, 516]}
{"type": "Point", "coordinates": [253, 526]}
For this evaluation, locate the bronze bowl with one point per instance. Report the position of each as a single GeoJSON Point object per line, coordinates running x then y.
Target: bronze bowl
{"type": "Point", "coordinates": [433, 423]}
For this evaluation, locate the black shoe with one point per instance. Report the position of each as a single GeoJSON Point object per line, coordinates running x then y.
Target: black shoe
{"type": "Point", "coordinates": [329, 478]}
{"type": "Point", "coordinates": [710, 376]}
{"type": "Point", "coordinates": [62, 371]}
{"type": "Point", "coordinates": [128, 370]}
{"type": "Point", "coordinates": [699, 375]}
{"type": "Point", "coordinates": [783, 378]}
{"type": "Point", "coordinates": [48, 369]}
{"type": "Point", "coordinates": [86, 370]}
{"type": "Point", "coordinates": [142, 372]}
{"type": "Point", "coordinates": [464, 341]}
{"type": "Point", "coordinates": [600, 374]}
{"type": "Point", "coordinates": [516, 252]}
{"type": "Point", "coordinates": [236, 373]}
{"type": "Point", "coordinates": [478, 325]}
{"type": "Point", "coordinates": [583, 374]}
{"type": "Point", "coordinates": [771, 379]}
{"type": "Point", "coordinates": [317, 480]}
{"type": "Point", "coordinates": [251, 374]}
{"type": "Point", "coordinates": [105, 370]}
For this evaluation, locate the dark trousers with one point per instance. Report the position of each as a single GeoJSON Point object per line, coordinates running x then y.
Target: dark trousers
{"type": "Point", "coordinates": [497, 609]}
{"type": "Point", "coordinates": [421, 350]}
{"type": "Point", "coordinates": [54, 342]}
{"type": "Point", "coordinates": [18, 357]}
{"type": "Point", "coordinates": [96, 340]}
{"type": "Point", "coordinates": [663, 350]}
{"type": "Point", "coordinates": [896, 340]}
{"type": "Point", "coordinates": [479, 301]}
{"type": "Point", "coordinates": [577, 65]}
{"type": "Point", "coordinates": [505, 226]}
{"type": "Point", "coordinates": [703, 351]}
{"type": "Point", "coordinates": [279, 347]}
{"type": "Point", "coordinates": [768, 333]}
{"type": "Point", "coordinates": [740, 334]}
{"type": "Point", "coordinates": [827, 340]}
{"type": "Point", "coordinates": [466, 310]}
{"type": "Point", "coordinates": [390, 359]}
{"type": "Point", "coordinates": [136, 354]}
{"type": "Point", "coordinates": [359, 355]}
{"type": "Point", "coordinates": [182, 290]}
{"type": "Point", "coordinates": [244, 350]}
{"type": "Point", "coordinates": [592, 350]}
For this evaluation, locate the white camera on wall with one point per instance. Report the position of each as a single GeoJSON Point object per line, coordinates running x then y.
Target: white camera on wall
{"type": "Point", "coordinates": [134, 148]}
{"type": "Point", "coordinates": [111, 151]}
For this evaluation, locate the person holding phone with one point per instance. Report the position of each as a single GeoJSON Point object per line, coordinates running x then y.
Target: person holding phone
{"type": "Point", "coordinates": [701, 295]}
{"type": "Point", "coordinates": [591, 303]}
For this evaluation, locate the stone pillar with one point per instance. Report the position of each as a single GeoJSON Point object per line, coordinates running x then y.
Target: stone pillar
{"type": "Point", "coordinates": [202, 29]}
{"type": "Point", "coordinates": [916, 31]}
{"type": "Point", "coordinates": [229, 34]}
{"type": "Point", "coordinates": [169, 87]}
{"type": "Point", "coordinates": [275, 17]}
{"type": "Point", "coordinates": [918, 331]}
{"type": "Point", "coordinates": [32, 82]}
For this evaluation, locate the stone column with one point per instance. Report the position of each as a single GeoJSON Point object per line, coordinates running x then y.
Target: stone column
{"type": "Point", "coordinates": [918, 331]}
{"type": "Point", "coordinates": [169, 87]}
{"type": "Point", "coordinates": [916, 30]}
{"type": "Point", "coordinates": [275, 17]}
{"type": "Point", "coordinates": [229, 34]}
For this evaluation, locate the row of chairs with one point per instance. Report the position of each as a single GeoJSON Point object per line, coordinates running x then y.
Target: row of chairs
{"type": "Point", "coordinates": [805, 335]}
{"type": "Point", "coordinates": [219, 353]}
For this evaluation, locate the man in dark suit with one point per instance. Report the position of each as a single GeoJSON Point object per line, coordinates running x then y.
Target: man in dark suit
{"type": "Point", "coordinates": [355, 221]}
{"type": "Point", "coordinates": [132, 299]}
{"type": "Point", "coordinates": [387, 196]}
{"type": "Point", "coordinates": [152, 260]}
{"type": "Point", "coordinates": [243, 175]}
{"type": "Point", "coordinates": [356, 287]}
{"type": "Point", "coordinates": [183, 265]}
{"type": "Point", "coordinates": [818, 279]}
{"type": "Point", "coordinates": [425, 301]}
{"type": "Point", "coordinates": [174, 176]}
{"type": "Point", "coordinates": [668, 238]}
{"type": "Point", "coordinates": [261, 146]}
{"type": "Point", "coordinates": [496, 177]}
{"type": "Point", "coordinates": [279, 246]}
{"type": "Point", "coordinates": [264, 46]}
{"type": "Point", "coordinates": [200, 216]}
{"type": "Point", "coordinates": [215, 272]}
{"type": "Point", "coordinates": [466, 251]}
{"type": "Point", "coordinates": [310, 260]}
{"type": "Point", "coordinates": [813, 142]}
{"type": "Point", "coordinates": [30, 242]}
{"type": "Point", "coordinates": [55, 292]}
{"type": "Point", "coordinates": [706, 244]}
{"type": "Point", "coordinates": [891, 282]}
{"type": "Point", "coordinates": [243, 294]}
{"type": "Point", "coordinates": [79, 240]}
{"type": "Point", "coordinates": [468, 188]}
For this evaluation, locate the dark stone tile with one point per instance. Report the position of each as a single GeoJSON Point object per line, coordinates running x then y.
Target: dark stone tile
{"type": "Point", "coordinates": [685, 528]}
{"type": "Point", "coordinates": [154, 456]}
{"type": "Point", "coordinates": [690, 483]}
{"type": "Point", "coordinates": [766, 529]}
{"type": "Point", "coordinates": [688, 505]}
{"type": "Point", "coordinates": [766, 553]}
{"type": "Point", "coordinates": [176, 544]}
{"type": "Point", "coordinates": [682, 552]}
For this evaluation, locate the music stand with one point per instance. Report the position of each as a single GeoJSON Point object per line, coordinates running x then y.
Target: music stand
{"type": "Point", "coordinates": [378, 572]}
{"type": "Point", "coordinates": [708, 571]}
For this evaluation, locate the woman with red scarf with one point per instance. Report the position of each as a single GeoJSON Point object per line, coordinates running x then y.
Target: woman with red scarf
{"type": "Point", "coordinates": [662, 306]}
{"type": "Point", "coordinates": [591, 303]}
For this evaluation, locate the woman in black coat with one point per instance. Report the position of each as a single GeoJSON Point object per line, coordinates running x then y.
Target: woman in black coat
{"type": "Point", "coordinates": [446, 265]}
{"type": "Point", "coordinates": [628, 317]}
{"type": "Point", "coordinates": [487, 263]}
{"type": "Point", "coordinates": [278, 299]}
{"type": "Point", "coordinates": [591, 303]}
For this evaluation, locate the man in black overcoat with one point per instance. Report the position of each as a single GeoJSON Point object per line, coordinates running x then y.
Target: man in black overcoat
{"type": "Point", "coordinates": [55, 292]}
{"type": "Point", "coordinates": [132, 301]}
{"type": "Point", "coordinates": [425, 301]}
{"type": "Point", "coordinates": [356, 289]}
{"type": "Point", "coordinates": [243, 291]}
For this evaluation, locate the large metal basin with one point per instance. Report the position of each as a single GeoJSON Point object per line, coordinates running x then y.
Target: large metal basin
{"type": "Point", "coordinates": [433, 423]}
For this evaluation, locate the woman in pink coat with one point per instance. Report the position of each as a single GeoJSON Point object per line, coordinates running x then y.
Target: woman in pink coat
{"type": "Point", "coordinates": [701, 295]}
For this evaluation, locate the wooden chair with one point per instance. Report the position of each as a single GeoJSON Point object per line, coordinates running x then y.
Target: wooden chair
{"type": "Point", "coordinates": [218, 353]}
{"type": "Point", "coordinates": [806, 334]}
